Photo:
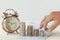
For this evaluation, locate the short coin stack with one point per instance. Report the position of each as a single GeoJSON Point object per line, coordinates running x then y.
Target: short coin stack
{"type": "Point", "coordinates": [36, 32]}
{"type": "Point", "coordinates": [29, 30]}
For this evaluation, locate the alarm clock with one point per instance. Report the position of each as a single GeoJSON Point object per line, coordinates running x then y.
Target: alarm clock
{"type": "Point", "coordinates": [11, 21]}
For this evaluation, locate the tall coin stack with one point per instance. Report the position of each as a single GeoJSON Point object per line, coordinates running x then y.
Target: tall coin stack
{"type": "Point", "coordinates": [22, 29]}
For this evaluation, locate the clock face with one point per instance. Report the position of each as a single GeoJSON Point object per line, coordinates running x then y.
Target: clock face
{"type": "Point", "coordinates": [12, 23]}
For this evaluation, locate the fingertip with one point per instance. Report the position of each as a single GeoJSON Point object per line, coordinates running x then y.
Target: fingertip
{"type": "Point", "coordinates": [49, 30]}
{"type": "Point", "coordinates": [41, 26]}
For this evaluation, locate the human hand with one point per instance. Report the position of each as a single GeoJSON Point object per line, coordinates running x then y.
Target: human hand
{"type": "Point", "coordinates": [54, 16]}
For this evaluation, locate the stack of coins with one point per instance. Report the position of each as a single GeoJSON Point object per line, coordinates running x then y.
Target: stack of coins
{"type": "Point", "coordinates": [22, 29]}
{"type": "Point", "coordinates": [42, 33]}
{"type": "Point", "coordinates": [29, 30]}
{"type": "Point", "coordinates": [36, 32]}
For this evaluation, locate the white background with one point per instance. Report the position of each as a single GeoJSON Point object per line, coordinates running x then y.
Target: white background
{"type": "Point", "coordinates": [29, 10]}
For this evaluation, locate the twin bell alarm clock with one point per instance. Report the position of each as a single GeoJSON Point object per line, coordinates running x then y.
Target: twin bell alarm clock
{"type": "Point", "coordinates": [10, 21]}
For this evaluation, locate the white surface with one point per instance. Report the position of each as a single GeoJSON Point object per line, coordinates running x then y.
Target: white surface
{"type": "Point", "coordinates": [55, 35]}
{"type": "Point", "coordinates": [15, 37]}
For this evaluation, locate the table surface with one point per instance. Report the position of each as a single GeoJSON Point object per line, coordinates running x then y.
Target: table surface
{"type": "Point", "coordinates": [54, 36]}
